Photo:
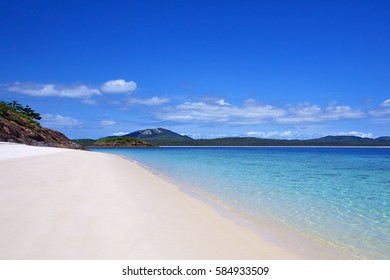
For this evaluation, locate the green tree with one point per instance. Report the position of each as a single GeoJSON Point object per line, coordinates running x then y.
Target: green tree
{"type": "Point", "coordinates": [24, 110]}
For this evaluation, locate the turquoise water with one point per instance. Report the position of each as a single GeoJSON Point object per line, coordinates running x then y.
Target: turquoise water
{"type": "Point", "coordinates": [339, 195]}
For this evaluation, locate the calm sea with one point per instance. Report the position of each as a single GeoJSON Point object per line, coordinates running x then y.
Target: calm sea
{"type": "Point", "coordinates": [338, 195]}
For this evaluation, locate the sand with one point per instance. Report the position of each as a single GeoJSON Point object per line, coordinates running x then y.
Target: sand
{"type": "Point", "coordinates": [67, 204]}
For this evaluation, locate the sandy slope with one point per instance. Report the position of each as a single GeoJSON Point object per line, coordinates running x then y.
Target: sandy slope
{"type": "Point", "coordinates": [66, 204]}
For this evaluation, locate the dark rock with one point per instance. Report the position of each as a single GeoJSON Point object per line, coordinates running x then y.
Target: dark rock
{"type": "Point", "coordinates": [17, 128]}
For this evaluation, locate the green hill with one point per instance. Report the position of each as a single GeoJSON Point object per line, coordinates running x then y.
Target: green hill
{"type": "Point", "coordinates": [162, 137]}
{"type": "Point", "coordinates": [85, 142]}
{"type": "Point", "coordinates": [121, 142]}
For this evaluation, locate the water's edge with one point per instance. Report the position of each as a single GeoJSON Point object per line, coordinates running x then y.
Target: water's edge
{"type": "Point", "coordinates": [281, 234]}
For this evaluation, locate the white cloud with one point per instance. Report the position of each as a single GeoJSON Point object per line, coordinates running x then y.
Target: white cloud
{"type": "Point", "coordinates": [342, 112]}
{"type": "Point", "coordinates": [222, 102]}
{"type": "Point", "coordinates": [251, 112]}
{"type": "Point", "coordinates": [301, 113]}
{"type": "Point", "coordinates": [119, 133]}
{"type": "Point", "coordinates": [295, 120]}
{"type": "Point", "coordinates": [59, 121]}
{"type": "Point", "coordinates": [107, 122]}
{"type": "Point", "coordinates": [47, 90]}
{"type": "Point", "coordinates": [151, 101]}
{"type": "Point", "coordinates": [386, 103]}
{"type": "Point", "coordinates": [305, 110]}
{"type": "Point", "coordinates": [355, 133]}
{"type": "Point", "coordinates": [275, 134]}
{"type": "Point", "coordinates": [382, 110]}
{"type": "Point", "coordinates": [193, 135]}
{"type": "Point", "coordinates": [78, 91]}
{"type": "Point", "coordinates": [89, 102]}
{"type": "Point", "coordinates": [118, 86]}
{"type": "Point", "coordinates": [306, 113]}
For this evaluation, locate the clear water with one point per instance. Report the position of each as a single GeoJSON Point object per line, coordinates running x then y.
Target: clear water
{"type": "Point", "coordinates": [339, 195]}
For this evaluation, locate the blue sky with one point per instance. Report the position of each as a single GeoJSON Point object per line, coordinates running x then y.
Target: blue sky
{"type": "Point", "coordinates": [278, 69]}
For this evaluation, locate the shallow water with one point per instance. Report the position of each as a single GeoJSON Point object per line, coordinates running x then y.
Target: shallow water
{"type": "Point", "coordinates": [338, 195]}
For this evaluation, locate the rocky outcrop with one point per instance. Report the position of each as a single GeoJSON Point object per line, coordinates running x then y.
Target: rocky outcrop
{"type": "Point", "coordinates": [17, 128]}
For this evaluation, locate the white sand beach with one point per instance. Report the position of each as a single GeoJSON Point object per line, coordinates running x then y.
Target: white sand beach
{"type": "Point", "coordinates": [67, 204]}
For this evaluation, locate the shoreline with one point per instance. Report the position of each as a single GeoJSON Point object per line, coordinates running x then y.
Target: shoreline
{"type": "Point", "coordinates": [267, 227]}
{"type": "Point", "coordinates": [292, 239]}
{"type": "Point", "coordinates": [281, 234]}
{"type": "Point", "coordinates": [349, 147]}
{"type": "Point", "coordinates": [88, 205]}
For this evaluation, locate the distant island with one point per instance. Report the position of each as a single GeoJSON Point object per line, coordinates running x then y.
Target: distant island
{"type": "Point", "coordinates": [164, 137]}
{"type": "Point", "coordinates": [118, 142]}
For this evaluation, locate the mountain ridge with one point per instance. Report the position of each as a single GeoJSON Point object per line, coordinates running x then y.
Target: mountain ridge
{"type": "Point", "coordinates": [160, 134]}
{"type": "Point", "coordinates": [165, 137]}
